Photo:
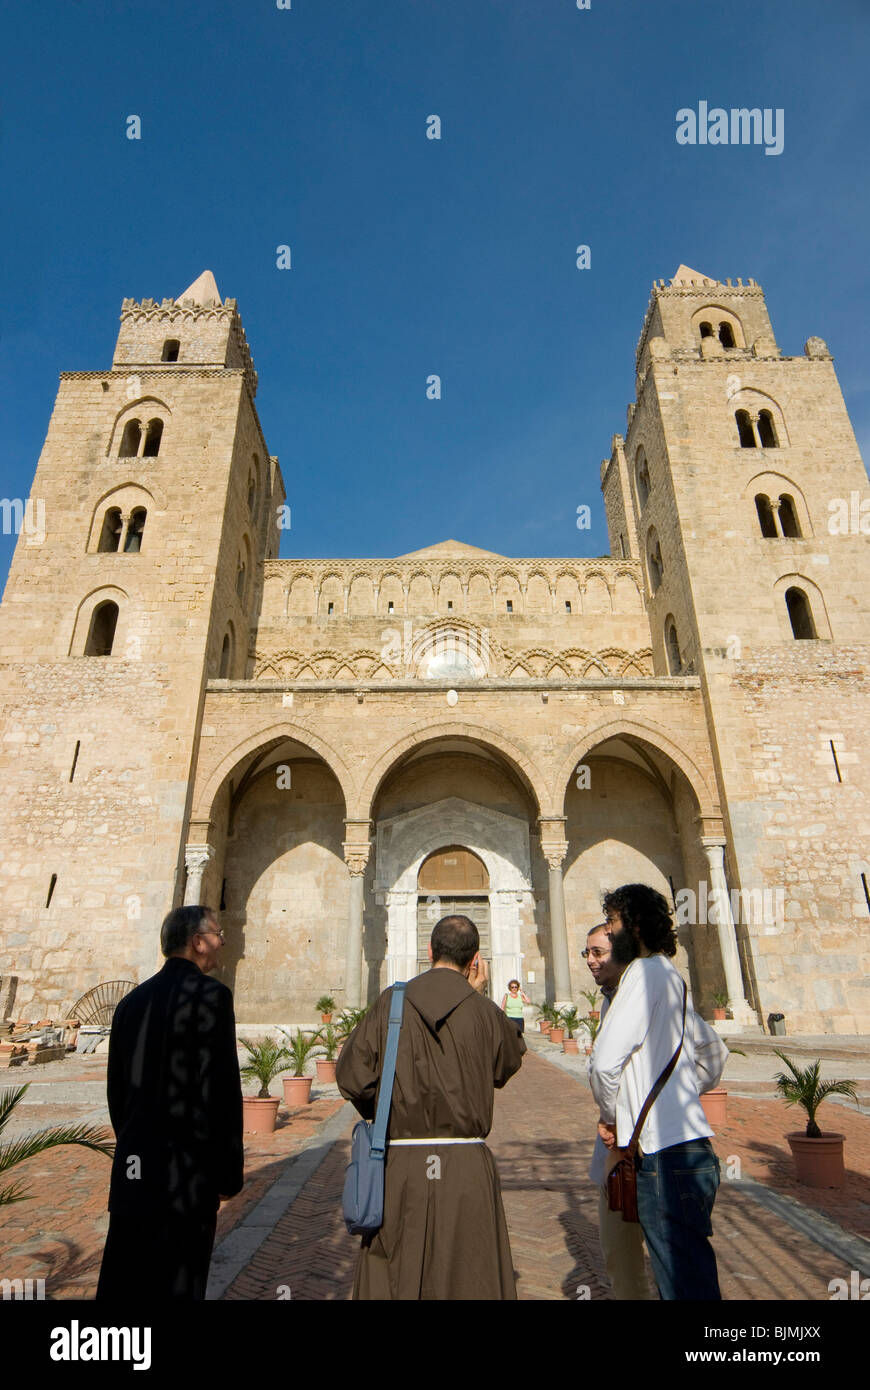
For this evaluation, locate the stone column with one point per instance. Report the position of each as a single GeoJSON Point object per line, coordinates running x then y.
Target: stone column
{"type": "Point", "coordinates": [356, 856]}
{"type": "Point", "coordinates": [196, 857]}
{"type": "Point", "coordinates": [743, 1013]}
{"type": "Point", "coordinates": [554, 850]}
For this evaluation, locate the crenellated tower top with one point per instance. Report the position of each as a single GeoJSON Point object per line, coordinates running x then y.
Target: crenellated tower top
{"type": "Point", "coordinates": [197, 329]}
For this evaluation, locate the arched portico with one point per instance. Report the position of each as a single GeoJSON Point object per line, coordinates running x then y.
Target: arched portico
{"type": "Point", "coordinates": [638, 808]}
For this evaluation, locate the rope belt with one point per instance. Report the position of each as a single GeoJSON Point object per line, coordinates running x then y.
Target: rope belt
{"type": "Point", "coordinates": [393, 1142]}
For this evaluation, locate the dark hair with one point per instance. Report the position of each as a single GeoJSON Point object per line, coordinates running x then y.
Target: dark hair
{"type": "Point", "coordinates": [181, 925]}
{"type": "Point", "coordinates": [455, 939]}
{"type": "Point", "coordinates": [644, 908]}
{"type": "Point", "coordinates": [513, 982]}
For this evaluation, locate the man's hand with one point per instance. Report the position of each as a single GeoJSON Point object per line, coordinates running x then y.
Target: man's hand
{"type": "Point", "coordinates": [478, 975]}
{"type": "Point", "coordinates": [607, 1134]}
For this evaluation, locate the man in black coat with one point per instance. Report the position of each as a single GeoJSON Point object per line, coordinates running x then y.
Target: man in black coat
{"type": "Point", "coordinates": [175, 1101]}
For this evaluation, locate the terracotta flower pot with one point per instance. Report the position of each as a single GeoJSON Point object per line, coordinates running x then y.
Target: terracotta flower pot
{"type": "Point", "coordinates": [570, 1045]}
{"type": "Point", "coordinates": [714, 1104]}
{"type": "Point", "coordinates": [259, 1115]}
{"type": "Point", "coordinates": [556, 1035]}
{"type": "Point", "coordinates": [325, 1070]}
{"type": "Point", "coordinates": [718, 1015]}
{"type": "Point", "coordinates": [594, 1013]}
{"type": "Point", "coordinates": [297, 1090]}
{"type": "Point", "coordinates": [545, 1025]}
{"type": "Point", "coordinates": [326, 1018]}
{"type": "Point", "coordinates": [818, 1162]}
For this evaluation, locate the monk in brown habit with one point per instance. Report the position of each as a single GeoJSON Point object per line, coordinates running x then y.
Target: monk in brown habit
{"type": "Point", "coordinates": [444, 1234]}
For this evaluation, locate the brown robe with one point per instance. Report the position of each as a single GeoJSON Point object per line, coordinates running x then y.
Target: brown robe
{"type": "Point", "coordinates": [443, 1237]}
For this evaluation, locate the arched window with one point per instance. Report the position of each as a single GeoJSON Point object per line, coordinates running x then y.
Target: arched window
{"type": "Point", "coordinates": [152, 439]}
{"type": "Point", "coordinates": [643, 483]}
{"type": "Point", "coordinates": [654, 557]}
{"type": "Point", "coordinates": [675, 661]}
{"type": "Point", "coordinates": [706, 330]}
{"type": "Point", "coordinates": [767, 431]}
{"type": "Point", "coordinates": [101, 634]}
{"type": "Point", "coordinates": [252, 494]}
{"type": "Point", "coordinates": [170, 350]}
{"type": "Point", "coordinates": [726, 335]}
{"type": "Point", "coordinates": [110, 535]}
{"type": "Point", "coordinates": [788, 517]}
{"type": "Point", "coordinates": [800, 614]}
{"type": "Point", "coordinates": [240, 581]}
{"type": "Point", "coordinates": [226, 658]}
{"type": "Point", "coordinates": [765, 515]}
{"type": "Point", "coordinates": [130, 440]}
{"type": "Point", "coordinates": [133, 541]}
{"type": "Point", "coordinates": [745, 430]}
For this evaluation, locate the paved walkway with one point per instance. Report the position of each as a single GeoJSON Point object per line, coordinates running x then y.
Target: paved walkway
{"type": "Point", "coordinates": [285, 1231]}
{"type": "Point", "coordinates": [551, 1208]}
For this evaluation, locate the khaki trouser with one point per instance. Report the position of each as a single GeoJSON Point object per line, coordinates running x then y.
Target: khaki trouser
{"type": "Point", "coordinates": [622, 1247]}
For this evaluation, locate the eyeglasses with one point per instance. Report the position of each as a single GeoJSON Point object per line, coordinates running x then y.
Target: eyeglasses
{"type": "Point", "coordinates": [212, 931]}
{"type": "Point", "coordinates": [596, 952]}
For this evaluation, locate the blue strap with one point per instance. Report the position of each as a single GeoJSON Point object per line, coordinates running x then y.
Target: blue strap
{"type": "Point", "coordinates": [385, 1095]}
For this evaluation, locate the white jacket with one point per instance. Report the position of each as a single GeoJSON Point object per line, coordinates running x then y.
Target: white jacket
{"type": "Point", "coordinates": [636, 1041]}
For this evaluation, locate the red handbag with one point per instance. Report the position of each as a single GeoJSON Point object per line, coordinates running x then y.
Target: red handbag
{"type": "Point", "coordinates": [622, 1178]}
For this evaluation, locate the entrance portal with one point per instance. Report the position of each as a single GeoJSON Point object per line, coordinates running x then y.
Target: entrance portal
{"type": "Point", "coordinates": [490, 883]}
{"type": "Point", "coordinates": [453, 882]}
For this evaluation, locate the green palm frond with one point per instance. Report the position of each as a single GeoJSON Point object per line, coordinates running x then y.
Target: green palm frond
{"type": "Point", "coordinates": [31, 1145]}
{"type": "Point", "coordinates": [803, 1086]}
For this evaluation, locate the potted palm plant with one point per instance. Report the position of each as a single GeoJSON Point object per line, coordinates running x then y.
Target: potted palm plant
{"type": "Point", "coordinates": [547, 1015]}
{"type": "Point", "coordinates": [591, 995]}
{"type": "Point", "coordinates": [329, 1040]}
{"type": "Point", "coordinates": [297, 1088]}
{"type": "Point", "coordinates": [348, 1019]}
{"type": "Point", "coordinates": [818, 1157]}
{"type": "Point", "coordinates": [325, 1006]}
{"type": "Point", "coordinates": [15, 1151]}
{"type": "Point", "coordinates": [591, 1024]}
{"type": "Point", "coordinates": [267, 1059]}
{"type": "Point", "coordinates": [571, 1021]}
{"type": "Point", "coordinates": [720, 1004]}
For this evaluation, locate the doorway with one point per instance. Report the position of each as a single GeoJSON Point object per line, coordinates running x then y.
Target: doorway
{"type": "Point", "coordinates": [453, 881]}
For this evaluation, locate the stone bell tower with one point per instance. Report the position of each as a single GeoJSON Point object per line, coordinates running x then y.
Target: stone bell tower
{"type": "Point", "coordinates": [737, 485]}
{"type": "Point", "coordinates": [160, 503]}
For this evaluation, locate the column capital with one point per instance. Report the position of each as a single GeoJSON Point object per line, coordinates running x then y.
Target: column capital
{"type": "Point", "coordinates": [356, 857]}
{"type": "Point", "coordinates": [554, 852]}
{"type": "Point", "coordinates": [197, 856]}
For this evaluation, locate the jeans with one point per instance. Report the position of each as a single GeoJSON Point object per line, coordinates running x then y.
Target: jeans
{"type": "Point", "coordinates": [676, 1189]}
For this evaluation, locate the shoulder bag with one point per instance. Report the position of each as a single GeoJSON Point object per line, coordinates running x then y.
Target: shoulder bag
{"type": "Point", "coordinates": [622, 1178]}
{"type": "Point", "coordinates": [362, 1201]}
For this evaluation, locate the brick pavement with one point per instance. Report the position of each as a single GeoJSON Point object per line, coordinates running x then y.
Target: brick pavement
{"type": "Point", "coordinates": [542, 1139]}
{"type": "Point", "coordinates": [59, 1234]}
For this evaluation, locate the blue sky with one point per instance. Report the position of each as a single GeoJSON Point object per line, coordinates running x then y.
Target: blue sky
{"type": "Point", "coordinates": [307, 127]}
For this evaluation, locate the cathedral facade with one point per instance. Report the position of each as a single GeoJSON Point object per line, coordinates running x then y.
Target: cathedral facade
{"type": "Point", "coordinates": [337, 752]}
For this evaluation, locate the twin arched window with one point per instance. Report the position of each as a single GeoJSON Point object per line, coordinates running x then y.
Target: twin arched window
{"type": "Point", "coordinates": [136, 443]}
{"type": "Point", "coordinates": [782, 510]}
{"type": "Point", "coordinates": [113, 535]}
{"type": "Point", "coordinates": [725, 334]}
{"type": "Point", "coordinates": [746, 429]}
